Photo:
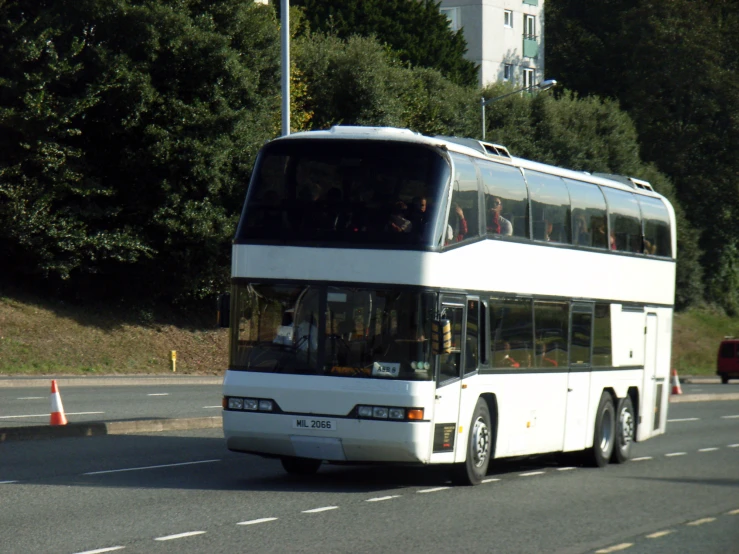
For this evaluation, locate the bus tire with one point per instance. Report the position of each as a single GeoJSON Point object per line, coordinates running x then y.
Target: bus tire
{"type": "Point", "coordinates": [479, 447]}
{"type": "Point", "coordinates": [625, 431]}
{"type": "Point", "coordinates": [603, 434]}
{"type": "Point", "coordinates": [301, 466]}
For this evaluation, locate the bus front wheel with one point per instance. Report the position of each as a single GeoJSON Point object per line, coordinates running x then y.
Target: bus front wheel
{"type": "Point", "coordinates": [300, 466]}
{"type": "Point", "coordinates": [603, 434]}
{"type": "Point", "coordinates": [479, 447]}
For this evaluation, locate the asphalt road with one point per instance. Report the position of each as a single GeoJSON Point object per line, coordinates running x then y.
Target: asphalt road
{"type": "Point", "coordinates": [29, 405]}
{"type": "Point", "coordinates": [183, 492]}
{"type": "Point", "coordinates": [21, 406]}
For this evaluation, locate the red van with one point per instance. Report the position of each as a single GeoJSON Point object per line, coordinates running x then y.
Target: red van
{"type": "Point", "coordinates": [727, 366]}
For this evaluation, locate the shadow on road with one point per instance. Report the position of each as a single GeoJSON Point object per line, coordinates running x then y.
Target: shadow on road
{"type": "Point", "coordinates": [198, 460]}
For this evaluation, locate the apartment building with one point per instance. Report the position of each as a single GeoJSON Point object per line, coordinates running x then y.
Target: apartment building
{"type": "Point", "coordinates": [504, 37]}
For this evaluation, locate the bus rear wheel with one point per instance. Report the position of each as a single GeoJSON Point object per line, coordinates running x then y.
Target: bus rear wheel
{"type": "Point", "coordinates": [479, 447]}
{"type": "Point", "coordinates": [625, 431]}
{"type": "Point", "coordinates": [301, 466]}
{"type": "Point", "coordinates": [603, 434]}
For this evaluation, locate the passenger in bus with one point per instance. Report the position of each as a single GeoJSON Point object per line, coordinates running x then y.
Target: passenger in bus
{"type": "Point", "coordinates": [496, 223]}
{"type": "Point", "coordinates": [548, 228]}
{"type": "Point", "coordinates": [581, 234]}
{"type": "Point", "coordinates": [613, 241]}
{"type": "Point", "coordinates": [599, 234]}
{"type": "Point", "coordinates": [547, 361]}
{"type": "Point", "coordinates": [418, 216]}
{"type": "Point", "coordinates": [507, 360]}
{"type": "Point", "coordinates": [457, 227]}
{"type": "Point", "coordinates": [398, 223]}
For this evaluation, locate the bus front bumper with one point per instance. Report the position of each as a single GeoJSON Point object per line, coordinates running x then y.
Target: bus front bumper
{"type": "Point", "coordinates": [354, 440]}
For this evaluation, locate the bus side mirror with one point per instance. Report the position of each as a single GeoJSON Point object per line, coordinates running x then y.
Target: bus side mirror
{"type": "Point", "coordinates": [441, 336]}
{"type": "Point", "coordinates": [224, 309]}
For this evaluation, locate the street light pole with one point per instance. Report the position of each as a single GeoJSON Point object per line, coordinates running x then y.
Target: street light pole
{"type": "Point", "coordinates": [285, 40]}
{"type": "Point", "coordinates": [543, 85]}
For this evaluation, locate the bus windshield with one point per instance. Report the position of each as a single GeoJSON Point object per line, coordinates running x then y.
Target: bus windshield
{"type": "Point", "coordinates": [379, 193]}
{"type": "Point", "coordinates": [337, 331]}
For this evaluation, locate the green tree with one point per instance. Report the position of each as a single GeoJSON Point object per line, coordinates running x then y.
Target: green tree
{"type": "Point", "coordinates": [672, 65]}
{"type": "Point", "coordinates": [416, 31]}
{"type": "Point", "coordinates": [357, 82]}
{"type": "Point", "coordinates": [128, 132]}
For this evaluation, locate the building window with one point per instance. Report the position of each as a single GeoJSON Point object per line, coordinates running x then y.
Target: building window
{"type": "Point", "coordinates": [507, 72]}
{"type": "Point", "coordinates": [452, 14]}
{"type": "Point", "coordinates": [528, 77]}
{"type": "Point", "coordinates": [508, 19]}
{"type": "Point", "coordinates": [529, 26]}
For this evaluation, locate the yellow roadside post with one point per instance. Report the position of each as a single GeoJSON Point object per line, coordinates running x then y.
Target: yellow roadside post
{"type": "Point", "coordinates": [173, 356]}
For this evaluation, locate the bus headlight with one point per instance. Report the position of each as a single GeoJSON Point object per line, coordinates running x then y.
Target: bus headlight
{"type": "Point", "coordinates": [379, 412]}
{"type": "Point", "coordinates": [235, 403]}
{"type": "Point", "coordinates": [251, 404]}
{"type": "Point", "coordinates": [395, 413]}
{"type": "Point", "coordinates": [265, 405]}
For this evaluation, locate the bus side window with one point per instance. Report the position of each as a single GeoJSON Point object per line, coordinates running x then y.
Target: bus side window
{"type": "Point", "coordinates": [449, 363]}
{"type": "Point", "coordinates": [471, 358]}
{"type": "Point", "coordinates": [464, 217]}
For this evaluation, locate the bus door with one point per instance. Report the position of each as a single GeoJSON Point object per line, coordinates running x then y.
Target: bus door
{"type": "Point", "coordinates": [578, 378]}
{"type": "Point", "coordinates": [650, 416]}
{"type": "Point", "coordinates": [449, 383]}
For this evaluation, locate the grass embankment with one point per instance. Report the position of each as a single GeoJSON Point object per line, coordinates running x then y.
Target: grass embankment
{"type": "Point", "coordinates": [39, 337]}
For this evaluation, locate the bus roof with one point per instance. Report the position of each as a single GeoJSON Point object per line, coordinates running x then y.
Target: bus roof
{"type": "Point", "coordinates": [475, 148]}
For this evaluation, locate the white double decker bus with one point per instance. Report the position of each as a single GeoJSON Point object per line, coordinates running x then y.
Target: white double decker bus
{"type": "Point", "coordinates": [359, 247]}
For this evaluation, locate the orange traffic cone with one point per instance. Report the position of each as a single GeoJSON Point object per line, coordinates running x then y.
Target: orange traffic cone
{"type": "Point", "coordinates": [57, 410]}
{"type": "Point", "coordinates": [676, 383]}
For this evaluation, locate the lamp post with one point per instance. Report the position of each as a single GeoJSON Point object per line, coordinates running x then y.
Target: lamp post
{"type": "Point", "coordinates": [543, 85]}
{"type": "Point", "coordinates": [285, 36]}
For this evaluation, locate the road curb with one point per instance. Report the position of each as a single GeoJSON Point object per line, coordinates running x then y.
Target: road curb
{"type": "Point", "coordinates": [100, 428]}
{"type": "Point", "coordinates": [104, 381]}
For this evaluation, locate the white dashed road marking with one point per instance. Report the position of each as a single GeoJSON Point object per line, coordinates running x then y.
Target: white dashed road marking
{"type": "Point", "coordinates": [211, 407]}
{"type": "Point", "coordinates": [733, 445]}
{"type": "Point", "coordinates": [180, 536]}
{"type": "Point", "coordinates": [158, 394]}
{"type": "Point", "coordinates": [490, 480]}
{"type": "Point", "coordinates": [33, 398]}
{"type": "Point", "coordinates": [436, 489]}
{"type": "Point", "coordinates": [733, 513]}
{"type": "Point", "coordinates": [641, 459]}
{"type": "Point", "coordinates": [671, 454]}
{"type": "Point", "coordinates": [149, 467]}
{"type": "Point", "coordinates": [684, 419]}
{"type": "Point", "coordinates": [317, 510]}
{"type": "Point", "coordinates": [701, 521]}
{"type": "Point", "coordinates": [708, 449]}
{"type": "Point", "coordinates": [730, 416]}
{"type": "Point", "coordinates": [565, 468]}
{"type": "Point", "coordinates": [531, 473]}
{"type": "Point", "coordinates": [616, 548]}
{"type": "Point", "coordinates": [7, 482]}
{"type": "Point", "coordinates": [101, 550]}
{"type": "Point", "coordinates": [255, 521]}
{"type": "Point", "coordinates": [381, 498]}
{"type": "Point", "coordinates": [658, 534]}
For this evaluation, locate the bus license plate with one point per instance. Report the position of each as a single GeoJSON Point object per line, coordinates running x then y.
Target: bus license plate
{"type": "Point", "coordinates": [314, 424]}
